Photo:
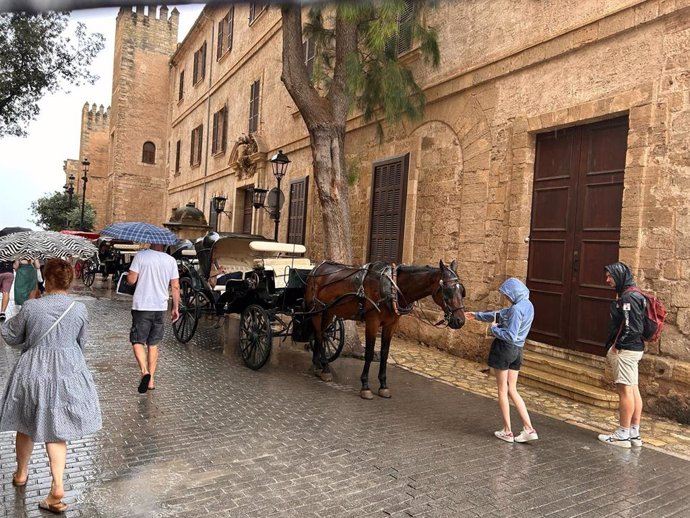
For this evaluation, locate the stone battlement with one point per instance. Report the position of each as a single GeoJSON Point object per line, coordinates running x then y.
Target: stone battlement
{"type": "Point", "coordinates": [148, 15]}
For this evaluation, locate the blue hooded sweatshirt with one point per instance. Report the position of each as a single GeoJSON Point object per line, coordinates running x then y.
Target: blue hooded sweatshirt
{"type": "Point", "coordinates": [514, 321]}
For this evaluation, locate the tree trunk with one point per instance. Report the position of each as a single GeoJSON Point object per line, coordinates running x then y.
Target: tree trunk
{"type": "Point", "coordinates": [325, 118]}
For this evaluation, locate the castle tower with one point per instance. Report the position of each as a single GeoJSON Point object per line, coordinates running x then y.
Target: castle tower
{"type": "Point", "coordinates": [136, 183]}
{"type": "Point", "coordinates": [93, 144]}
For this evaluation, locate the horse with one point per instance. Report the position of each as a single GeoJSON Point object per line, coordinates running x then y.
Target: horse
{"type": "Point", "coordinates": [378, 294]}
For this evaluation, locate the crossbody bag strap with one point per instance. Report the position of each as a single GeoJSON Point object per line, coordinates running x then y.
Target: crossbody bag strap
{"type": "Point", "coordinates": [56, 322]}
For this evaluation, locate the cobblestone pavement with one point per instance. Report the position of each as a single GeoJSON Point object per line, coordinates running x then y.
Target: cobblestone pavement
{"type": "Point", "coordinates": [218, 439]}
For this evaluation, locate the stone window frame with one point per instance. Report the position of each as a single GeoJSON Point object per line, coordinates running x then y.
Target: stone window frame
{"type": "Point", "coordinates": [255, 14]}
{"type": "Point", "coordinates": [148, 155]}
{"type": "Point", "coordinates": [254, 106]}
{"type": "Point", "coordinates": [220, 131]}
{"type": "Point", "coordinates": [225, 34]}
{"type": "Point", "coordinates": [180, 91]}
{"type": "Point", "coordinates": [199, 71]}
{"type": "Point", "coordinates": [637, 177]}
{"type": "Point", "coordinates": [196, 146]}
{"type": "Point", "coordinates": [178, 153]}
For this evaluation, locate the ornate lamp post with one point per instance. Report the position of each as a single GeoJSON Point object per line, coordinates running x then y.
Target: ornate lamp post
{"type": "Point", "coordinates": [85, 168]}
{"type": "Point", "coordinates": [280, 163]}
{"type": "Point", "coordinates": [69, 189]}
{"type": "Point", "coordinates": [218, 205]}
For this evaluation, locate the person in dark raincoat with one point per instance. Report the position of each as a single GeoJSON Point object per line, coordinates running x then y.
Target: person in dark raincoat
{"type": "Point", "coordinates": [625, 350]}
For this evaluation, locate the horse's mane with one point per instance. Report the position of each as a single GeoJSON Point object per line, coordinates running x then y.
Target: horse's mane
{"type": "Point", "coordinates": [412, 269]}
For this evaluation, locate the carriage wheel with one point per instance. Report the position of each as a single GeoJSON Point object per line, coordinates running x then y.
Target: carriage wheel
{"type": "Point", "coordinates": [256, 336]}
{"type": "Point", "coordinates": [333, 340]}
{"type": "Point", "coordinates": [88, 273]}
{"type": "Point", "coordinates": [185, 326]}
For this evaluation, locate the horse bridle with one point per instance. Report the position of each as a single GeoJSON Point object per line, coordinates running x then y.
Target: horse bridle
{"type": "Point", "coordinates": [446, 286]}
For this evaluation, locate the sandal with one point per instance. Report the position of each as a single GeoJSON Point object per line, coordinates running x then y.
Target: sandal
{"type": "Point", "coordinates": [16, 483]}
{"type": "Point", "coordinates": [57, 508]}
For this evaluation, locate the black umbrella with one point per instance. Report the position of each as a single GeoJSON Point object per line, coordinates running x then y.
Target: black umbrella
{"type": "Point", "coordinates": [13, 230]}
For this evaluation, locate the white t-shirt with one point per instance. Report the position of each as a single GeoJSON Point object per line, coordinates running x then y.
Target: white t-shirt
{"type": "Point", "coordinates": [155, 270]}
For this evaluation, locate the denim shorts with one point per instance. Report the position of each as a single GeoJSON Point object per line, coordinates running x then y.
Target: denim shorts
{"type": "Point", "coordinates": [147, 327]}
{"type": "Point", "coordinates": [504, 356]}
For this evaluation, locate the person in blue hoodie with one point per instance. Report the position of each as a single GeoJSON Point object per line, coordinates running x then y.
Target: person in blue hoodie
{"type": "Point", "coordinates": [510, 326]}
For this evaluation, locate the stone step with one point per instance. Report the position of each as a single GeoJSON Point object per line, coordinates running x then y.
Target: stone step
{"type": "Point", "coordinates": [572, 389]}
{"type": "Point", "coordinates": [566, 368]}
{"type": "Point", "coordinates": [565, 354]}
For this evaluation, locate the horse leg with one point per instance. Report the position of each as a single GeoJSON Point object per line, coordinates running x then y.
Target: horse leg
{"type": "Point", "coordinates": [318, 344]}
{"type": "Point", "coordinates": [386, 336]}
{"type": "Point", "coordinates": [324, 370]}
{"type": "Point", "coordinates": [371, 328]}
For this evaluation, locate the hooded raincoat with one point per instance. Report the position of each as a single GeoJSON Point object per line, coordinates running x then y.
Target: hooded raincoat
{"type": "Point", "coordinates": [514, 321]}
{"type": "Point", "coordinates": [627, 311]}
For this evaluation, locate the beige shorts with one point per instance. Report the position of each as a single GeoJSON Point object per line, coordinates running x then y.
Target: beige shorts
{"type": "Point", "coordinates": [625, 371]}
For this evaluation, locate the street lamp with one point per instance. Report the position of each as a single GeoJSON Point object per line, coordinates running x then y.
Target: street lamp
{"type": "Point", "coordinates": [218, 205]}
{"type": "Point", "coordinates": [280, 163]}
{"type": "Point", "coordinates": [85, 167]}
{"type": "Point", "coordinates": [69, 189]}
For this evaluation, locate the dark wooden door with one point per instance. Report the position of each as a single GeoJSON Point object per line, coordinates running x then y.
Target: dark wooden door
{"type": "Point", "coordinates": [388, 210]}
{"type": "Point", "coordinates": [247, 211]}
{"type": "Point", "coordinates": [575, 232]}
{"type": "Point", "coordinates": [297, 215]}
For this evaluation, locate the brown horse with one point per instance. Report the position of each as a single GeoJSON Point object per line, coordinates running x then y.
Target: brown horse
{"type": "Point", "coordinates": [377, 294]}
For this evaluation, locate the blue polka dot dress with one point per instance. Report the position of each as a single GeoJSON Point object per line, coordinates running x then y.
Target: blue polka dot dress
{"type": "Point", "coordinates": [50, 394]}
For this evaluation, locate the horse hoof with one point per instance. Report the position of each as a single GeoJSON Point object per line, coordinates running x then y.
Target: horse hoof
{"type": "Point", "coordinates": [366, 394]}
{"type": "Point", "coordinates": [384, 392]}
{"type": "Point", "coordinates": [326, 376]}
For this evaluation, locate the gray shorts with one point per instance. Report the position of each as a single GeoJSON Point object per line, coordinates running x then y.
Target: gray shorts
{"type": "Point", "coordinates": [147, 327]}
{"type": "Point", "coordinates": [625, 370]}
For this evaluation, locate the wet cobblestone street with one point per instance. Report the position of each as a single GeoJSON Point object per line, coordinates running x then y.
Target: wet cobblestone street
{"type": "Point", "coordinates": [218, 439]}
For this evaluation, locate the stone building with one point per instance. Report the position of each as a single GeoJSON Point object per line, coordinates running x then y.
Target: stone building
{"type": "Point", "coordinates": [125, 144]}
{"type": "Point", "coordinates": [555, 141]}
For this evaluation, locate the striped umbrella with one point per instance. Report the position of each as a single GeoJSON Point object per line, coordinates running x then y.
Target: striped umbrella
{"type": "Point", "coordinates": [44, 244]}
{"type": "Point", "coordinates": [140, 233]}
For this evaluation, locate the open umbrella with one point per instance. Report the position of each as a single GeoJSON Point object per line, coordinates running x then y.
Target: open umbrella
{"type": "Point", "coordinates": [44, 244]}
{"type": "Point", "coordinates": [140, 233]}
{"type": "Point", "coordinates": [13, 230]}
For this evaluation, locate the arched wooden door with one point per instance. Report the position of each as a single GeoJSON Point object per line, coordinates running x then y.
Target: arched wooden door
{"type": "Point", "coordinates": [575, 232]}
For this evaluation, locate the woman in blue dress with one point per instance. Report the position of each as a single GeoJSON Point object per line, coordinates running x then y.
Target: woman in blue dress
{"type": "Point", "coordinates": [50, 395]}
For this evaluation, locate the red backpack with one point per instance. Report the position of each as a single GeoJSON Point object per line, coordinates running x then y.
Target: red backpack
{"type": "Point", "coordinates": [654, 317]}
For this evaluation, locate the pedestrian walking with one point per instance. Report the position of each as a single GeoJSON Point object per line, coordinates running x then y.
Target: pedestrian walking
{"type": "Point", "coordinates": [50, 395]}
{"type": "Point", "coordinates": [26, 280]}
{"type": "Point", "coordinates": [6, 280]}
{"type": "Point", "coordinates": [153, 272]}
{"type": "Point", "coordinates": [625, 349]}
{"type": "Point", "coordinates": [510, 326]}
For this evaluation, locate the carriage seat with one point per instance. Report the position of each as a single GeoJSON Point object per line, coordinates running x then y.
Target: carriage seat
{"type": "Point", "coordinates": [281, 267]}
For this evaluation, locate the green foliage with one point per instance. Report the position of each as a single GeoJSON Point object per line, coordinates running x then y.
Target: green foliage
{"type": "Point", "coordinates": [377, 80]}
{"type": "Point", "coordinates": [36, 58]}
{"type": "Point", "coordinates": [52, 212]}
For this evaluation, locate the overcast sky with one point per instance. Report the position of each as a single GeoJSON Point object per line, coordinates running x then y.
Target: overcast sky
{"type": "Point", "coordinates": [31, 167]}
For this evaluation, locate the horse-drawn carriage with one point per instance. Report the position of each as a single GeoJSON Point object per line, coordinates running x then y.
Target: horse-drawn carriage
{"type": "Point", "coordinates": [260, 280]}
{"type": "Point", "coordinates": [114, 257]}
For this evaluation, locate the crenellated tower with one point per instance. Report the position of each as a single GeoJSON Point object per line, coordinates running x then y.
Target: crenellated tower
{"type": "Point", "coordinates": [93, 144]}
{"type": "Point", "coordinates": [145, 39]}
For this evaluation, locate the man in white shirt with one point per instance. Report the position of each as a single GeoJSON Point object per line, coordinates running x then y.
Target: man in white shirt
{"type": "Point", "coordinates": [153, 271]}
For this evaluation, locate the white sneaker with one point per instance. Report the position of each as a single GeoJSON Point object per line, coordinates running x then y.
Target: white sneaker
{"type": "Point", "coordinates": [614, 440]}
{"type": "Point", "coordinates": [526, 436]}
{"type": "Point", "coordinates": [634, 441]}
{"type": "Point", "coordinates": [505, 436]}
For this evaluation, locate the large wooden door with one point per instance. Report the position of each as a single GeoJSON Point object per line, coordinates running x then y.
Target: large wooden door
{"type": "Point", "coordinates": [575, 232]}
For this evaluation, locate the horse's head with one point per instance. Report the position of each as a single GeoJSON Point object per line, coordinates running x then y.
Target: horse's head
{"type": "Point", "coordinates": [450, 295]}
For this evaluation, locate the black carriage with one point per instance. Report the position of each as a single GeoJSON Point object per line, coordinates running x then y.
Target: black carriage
{"type": "Point", "coordinates": [114, 257]}
{"type": "Point", "coordinates": [261, 281]}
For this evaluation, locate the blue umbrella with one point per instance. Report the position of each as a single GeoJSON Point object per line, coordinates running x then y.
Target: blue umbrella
{"type": "Point", "coordinates": [140, 233]}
